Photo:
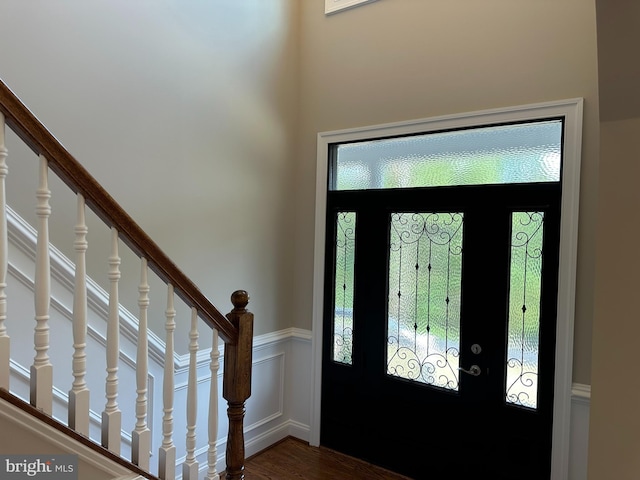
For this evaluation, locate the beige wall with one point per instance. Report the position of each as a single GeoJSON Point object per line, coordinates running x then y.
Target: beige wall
{"type": "Point", "coordinates": [615, 423]}
{"type": "Point", "coordinates": [391, 61]}
{"type": "Point", "coordinates": [226, 99]}
{"type": "Point", "coordinates": [618, 67]}
{"type": "Point", "coordinates": [185, 111]}
{"type": "Point", "coordinates": [615, 395]}
{"type": "Point", "coordinates": [202, 117]}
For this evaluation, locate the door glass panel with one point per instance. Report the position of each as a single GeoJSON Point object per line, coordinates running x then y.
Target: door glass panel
{"type": "Point", "coordinates": [343, 288]}
{"type": "Point", "coordinates": [423, 322]}
{"type": "Point", "coordinates": [516, 153]}
{"type": "Point", "coordinates": [525, 288]}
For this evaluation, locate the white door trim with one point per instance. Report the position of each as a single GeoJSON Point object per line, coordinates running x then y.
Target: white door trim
{"type": "Point", "coordinates": [571, 110]}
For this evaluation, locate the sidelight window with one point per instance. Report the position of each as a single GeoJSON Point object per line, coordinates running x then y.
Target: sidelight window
{"type": "Point", "coordinates": [343, 287]}
{"type": "Point", "coordinates": [525, 288]}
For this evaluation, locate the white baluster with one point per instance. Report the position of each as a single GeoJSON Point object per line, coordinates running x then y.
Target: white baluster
{"type": "Point", "coordinates": [111, 416]}
{"type": "Point", "coordinates": [141, 436]}
{"type": "Point", "coordinates": [79, 393]}
{"type": "Point", "coordinates": [212, 455]}
{"type": "Point", "coordinates": [167, 457]}
{"type": "Point", "coordinates": [190, 466]}
{"type": "Point", "coordinates": [42, 371]}
{"type": "Point", "coordinates": [5, 351]}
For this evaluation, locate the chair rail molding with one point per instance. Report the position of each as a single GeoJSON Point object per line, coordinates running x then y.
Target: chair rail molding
{"type": "Point", "coordinates": [333, 6]}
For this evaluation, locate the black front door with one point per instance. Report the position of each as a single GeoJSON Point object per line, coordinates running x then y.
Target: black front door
{"type": "Point", "coordinates": [439, 329]}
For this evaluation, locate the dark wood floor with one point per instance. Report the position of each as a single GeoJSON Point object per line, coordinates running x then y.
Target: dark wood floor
{"type": "Point", "coordinates": [295, 459]}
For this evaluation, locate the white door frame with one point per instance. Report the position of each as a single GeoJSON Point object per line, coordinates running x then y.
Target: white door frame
{"type": "Point", "coordinates": [571, 110]}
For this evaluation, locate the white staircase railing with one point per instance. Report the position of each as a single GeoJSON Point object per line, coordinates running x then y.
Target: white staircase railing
{"type": "Point", "coordinates": [41, 392]}
{"type": "Point", "coordinates": [141, 436]}
{"type": "Point", "coordinates": [78, 418]}
{"type": "Point", "coordinates": [4, 259]}
{"type": "Point", "coordinates": [235, 328]}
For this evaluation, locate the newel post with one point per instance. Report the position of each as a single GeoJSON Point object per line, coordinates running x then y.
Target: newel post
{"type": "Point", "coordinates": [236, 385]}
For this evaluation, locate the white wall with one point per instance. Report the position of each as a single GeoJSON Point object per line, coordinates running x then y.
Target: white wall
{"type": "Point", "coordinates": [185, 111]}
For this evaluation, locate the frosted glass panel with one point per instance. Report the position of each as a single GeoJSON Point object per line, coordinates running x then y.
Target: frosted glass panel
{"type": "Point", "coordinates": [425, 268]}
{"type": "Point", "coordinates": [525, 287]}
{"type": "Point", "coordinates": [519, 153]}
{"type": "Point", "coordinates": [343, 288]}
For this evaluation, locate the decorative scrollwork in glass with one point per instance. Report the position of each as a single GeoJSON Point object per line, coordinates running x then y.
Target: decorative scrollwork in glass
{"type": "Point", "coordinates": [343, 288]}
{"type": "Point", "coordinates": [423, 326]}
{"type": "Point", "coordinates": [525, 293]}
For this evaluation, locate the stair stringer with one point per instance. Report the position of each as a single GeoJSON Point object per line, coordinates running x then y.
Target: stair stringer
{"type": "Point", "coordinates": [26, 434]}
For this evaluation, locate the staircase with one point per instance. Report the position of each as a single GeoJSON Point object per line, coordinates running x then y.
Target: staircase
{"type": "Point", "coordinates": [126, 337]}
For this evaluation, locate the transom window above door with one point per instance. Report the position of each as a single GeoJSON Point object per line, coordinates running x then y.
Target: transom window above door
{"type": "Point", "coordinates": [489, 155]}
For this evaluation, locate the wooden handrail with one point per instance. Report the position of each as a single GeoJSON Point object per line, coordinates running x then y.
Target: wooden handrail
{"type": "Point", "coordinates": [25, 124]}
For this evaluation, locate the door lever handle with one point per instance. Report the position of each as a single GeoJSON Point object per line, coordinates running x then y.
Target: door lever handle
{"type": "Point", "coordinates": [475, 370]}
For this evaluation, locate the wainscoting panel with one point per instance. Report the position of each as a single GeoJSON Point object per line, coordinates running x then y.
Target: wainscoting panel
{"type": "Point", "coordinates": [579, 448]}
{"type": "Point", "coordinates": [272, 405]}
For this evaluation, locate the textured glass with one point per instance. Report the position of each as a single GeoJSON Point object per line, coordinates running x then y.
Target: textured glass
{"type": "Point", "coordinates": [343, 285]}
{"type": "Point", "coordinates": [519, 153]}
{"type": "Point", "coordinates": [525, 286]}
{"type": "Point", "coordinates": [423, 326]}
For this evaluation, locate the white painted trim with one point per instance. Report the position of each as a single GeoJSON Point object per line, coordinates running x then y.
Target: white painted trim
{"type": "Point", "coordinates": [579, 448]}
{"type": "Point", "coordinates": [581, 394]}
{"type": "Point", "coordinates": [333, 6]}
{"type": "Point", "coordinates": [281, 391]}
{"type": "Point", "coordinates": [20, 372]}
{"type": "Point", "coordinates": [572, 154]}
{"type": "Point", "coordinates": [273, 337]}
{"type": "Point", "coordinates": [571, 110]}
{"type": "Point", "coordinates": [13, 414]}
